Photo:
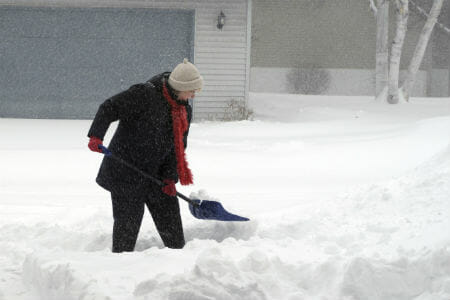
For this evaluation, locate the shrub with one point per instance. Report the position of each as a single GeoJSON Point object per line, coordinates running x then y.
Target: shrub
{"type": "Point", "coordinates": [236, 110]}
{"type": "Point", "coordinates": [309, 80]}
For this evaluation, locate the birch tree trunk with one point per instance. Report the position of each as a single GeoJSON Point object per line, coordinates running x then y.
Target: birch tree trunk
{"type": "Point", "coordinates": [427, 62]}
{"type": "Point", "coordinates": [382, 51]}
{"type": "Point", "coordinates": [421, 47]}
{"type": "Point", "coordinates": [401, 17]}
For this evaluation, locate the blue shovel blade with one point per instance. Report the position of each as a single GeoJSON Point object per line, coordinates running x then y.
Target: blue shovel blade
{"type": "Point", "coordinates": [213, 210]}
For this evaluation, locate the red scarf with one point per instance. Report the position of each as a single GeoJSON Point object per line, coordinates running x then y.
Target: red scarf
{"type": "Point", "coordinates": [180, 126]}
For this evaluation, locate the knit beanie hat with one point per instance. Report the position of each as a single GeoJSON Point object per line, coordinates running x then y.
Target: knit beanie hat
{"type": "Point", "coordinates": [185, 77]}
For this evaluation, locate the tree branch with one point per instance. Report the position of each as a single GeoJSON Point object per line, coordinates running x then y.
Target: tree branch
{"type": "Point", "coordinates": [373, 7]}
{"type": "Point", "coordinates": [424, 14]}
{"type": "Point", "coordinates": [375, 4]}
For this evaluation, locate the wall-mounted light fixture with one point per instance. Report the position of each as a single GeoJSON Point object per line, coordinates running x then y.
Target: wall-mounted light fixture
{"type": "Point", "coordinates": [221, 20]}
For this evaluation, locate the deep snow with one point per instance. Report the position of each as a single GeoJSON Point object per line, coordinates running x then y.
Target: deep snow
{"type": "Point", "coordinates": [348, 199]}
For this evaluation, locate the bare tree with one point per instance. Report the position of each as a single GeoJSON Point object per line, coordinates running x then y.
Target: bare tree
{"type": "Point", "coordinates": [421, 47]}
{"type": "Point", "coordinates": [388, 66]}
{"type": "Point", "coordinates": [381, 11]}
{"type": "Point", "coordinates": [401, 20]}
{"type": "Point", "coordinates": [443, 24]}
{"type": "Point", "coordinates": [387, 74]}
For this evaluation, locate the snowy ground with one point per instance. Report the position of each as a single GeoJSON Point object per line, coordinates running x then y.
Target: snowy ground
{"type": "Point", "coordinates": [348, 199]}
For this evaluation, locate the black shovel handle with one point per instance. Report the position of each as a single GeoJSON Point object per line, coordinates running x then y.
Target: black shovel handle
{"type": "Point", "coordinates": [146, 175]}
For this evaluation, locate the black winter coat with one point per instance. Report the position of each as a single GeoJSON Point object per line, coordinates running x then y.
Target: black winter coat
{"type": "Point", "coordinates": [144, 136]}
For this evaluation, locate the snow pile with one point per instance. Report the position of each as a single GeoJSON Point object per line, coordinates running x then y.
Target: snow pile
{"type": "Point", "coordinates": [348, 199]}
{"type": "Point", "coordinates": [411, 218]}
{"type": "Point", "coordinates": [427, 277]}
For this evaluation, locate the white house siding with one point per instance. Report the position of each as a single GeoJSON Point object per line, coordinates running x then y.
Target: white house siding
{"type": "Point", "coordinates": [222, 56]}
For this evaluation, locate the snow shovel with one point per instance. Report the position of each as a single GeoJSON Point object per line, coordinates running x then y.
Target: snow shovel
{"type": "Point", "coordinates": [200, 209]}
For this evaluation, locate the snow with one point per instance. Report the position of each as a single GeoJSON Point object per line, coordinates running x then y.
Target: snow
{"type": "Point", "coordinates": [348, 199]}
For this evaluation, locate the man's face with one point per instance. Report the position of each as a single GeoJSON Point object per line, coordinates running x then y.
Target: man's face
{"type": "Point", "coordinates": [186, 95]}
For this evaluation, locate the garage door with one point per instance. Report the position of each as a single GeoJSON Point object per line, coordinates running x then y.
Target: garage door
{"type": "Point", "coordinates": [63, 62]}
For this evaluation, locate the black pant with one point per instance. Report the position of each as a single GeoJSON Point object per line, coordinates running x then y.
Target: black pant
{"type": "Point", "coordinates": [128, 210]}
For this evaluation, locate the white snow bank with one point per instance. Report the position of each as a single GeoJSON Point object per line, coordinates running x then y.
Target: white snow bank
{"type": "Point", "coordinates": [348, 199]}
{"type": "Point", "coordinates": [427, 277]}
{"type": "Point", "coordinates": [221, 273]}
{"type": "Point", "coordinates": [398, 254]}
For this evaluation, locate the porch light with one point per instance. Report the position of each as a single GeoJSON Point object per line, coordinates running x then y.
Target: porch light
{"type": "Point", "coordinates": [221, 20]}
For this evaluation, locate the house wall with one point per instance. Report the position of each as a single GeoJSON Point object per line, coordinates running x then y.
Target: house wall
{"type": "Point", "coordinates": [346, 82]}
{"type": "Point", "coordinates": [325, 33]}
{"type": "Point", "coordinates": [441, 80]}
{"type": "Point", "coordinates": [222, 56]}
{"type": "Point", "coordinates": [336, 35]}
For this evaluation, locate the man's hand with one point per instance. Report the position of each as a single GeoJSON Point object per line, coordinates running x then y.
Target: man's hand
{"type": "Point", "coordinates": [94, 142]}
{"type": "Point", "coordinates": [169, 187]}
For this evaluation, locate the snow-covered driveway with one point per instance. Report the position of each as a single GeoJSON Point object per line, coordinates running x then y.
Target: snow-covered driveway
{"type": "Point", "coordinates": [348, 199]}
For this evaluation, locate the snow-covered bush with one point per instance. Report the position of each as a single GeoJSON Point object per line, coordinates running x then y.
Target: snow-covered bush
{"type": "Point", "coordinates": [236, 110]}
{"type": "Point", "coordinates": [309, 80]}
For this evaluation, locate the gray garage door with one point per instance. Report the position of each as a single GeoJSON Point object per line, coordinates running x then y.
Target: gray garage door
{"type": "Point", "coordinates": [63, 62]}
